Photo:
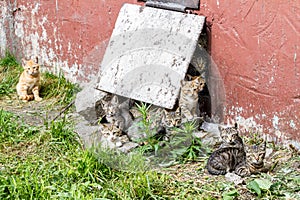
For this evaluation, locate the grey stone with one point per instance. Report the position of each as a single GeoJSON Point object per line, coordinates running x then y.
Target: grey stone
{"type": "Point", "coordinates": [234, 178]}
{"type": "Point", "coordinates": [210, 127]}
{"type": "Point", "coordinates": [208, 138]}
{"type": "Point", "coordinates": [135, 132]}
{"type": "Point", "coordinates": [209, 134]}
{"type": "Point", "coordinates": [86, 100]}
{"type": "Point", "coordinates": [87, 133]}
{"type": "Point", "coordinates": [127, 147]}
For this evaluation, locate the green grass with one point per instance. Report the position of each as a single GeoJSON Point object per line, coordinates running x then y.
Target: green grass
{"type": "Point", "coordinates": [10, 71]}
{"type": "Point", "coordinates": [49, 162]}
{"type": "Point", "coordinates": [58, 87]}
{"type": "Point", "coordinates": [52, 86]}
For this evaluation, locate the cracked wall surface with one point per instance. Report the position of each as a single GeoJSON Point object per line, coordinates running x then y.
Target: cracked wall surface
{"type": "Point", "coordinates": [254, 46]}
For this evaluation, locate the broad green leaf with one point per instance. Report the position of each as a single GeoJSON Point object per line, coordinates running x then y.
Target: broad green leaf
{"type": "Point", "coordinates": [230, 195]}
{"type": "Point", "coordinates": [252, 185]}
{"type": "Point", "coordinates": [264, 184]}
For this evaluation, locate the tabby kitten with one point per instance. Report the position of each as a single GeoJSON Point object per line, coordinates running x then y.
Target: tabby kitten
{"type": "Point", "coordinates": [170, 119]}
{"type": "Point", "coordinates": [229, 155]}
{"type": "Point", "coordinates": [230, 137]}
{"type": "Point", "coordinates": [113, 134]}
{"type": "Point", "coordinates": [118, 114]}
{"type": "Point", "coordinates": [254, 162]}
{"type": "Point", "coordinates": [188, 101]}
{"type": "Point", "coordinates": [225, 160]}
{"type": "Point", "coordinates": [29, 81]}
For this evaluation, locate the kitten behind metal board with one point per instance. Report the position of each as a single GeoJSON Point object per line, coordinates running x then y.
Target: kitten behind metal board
{"type": "Point", "coordinates": [118, 114]}
{"type": "Point", "coordinates": [188, 101]}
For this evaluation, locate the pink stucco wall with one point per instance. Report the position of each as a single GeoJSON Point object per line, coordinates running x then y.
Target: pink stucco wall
{"type": "Point", "coordinates": [255, 45]}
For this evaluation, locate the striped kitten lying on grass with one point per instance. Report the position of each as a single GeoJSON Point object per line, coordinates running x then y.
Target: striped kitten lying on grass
{"type": "Point", "coordinates": [232, 156]}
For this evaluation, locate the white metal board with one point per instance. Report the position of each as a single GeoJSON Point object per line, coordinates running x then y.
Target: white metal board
{"type": "Point", "coordinates": [149, 53]}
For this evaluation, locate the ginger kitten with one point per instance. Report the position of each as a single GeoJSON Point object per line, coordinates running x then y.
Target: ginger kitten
{"type": "Point", "coordinates": [29, 81]}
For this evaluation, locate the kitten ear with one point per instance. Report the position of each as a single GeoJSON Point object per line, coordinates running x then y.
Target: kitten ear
{"type": "Point", "coordinates": [36, 60]}
{"type": "Point", "coordinates": [197, 79]}
{"type": "Point", "coordinates": [189, 77]}
{"type": "Point", "coordinates": [115, 99]}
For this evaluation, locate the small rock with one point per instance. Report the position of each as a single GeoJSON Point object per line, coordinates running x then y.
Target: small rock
{"type": "Point", "coordinates": [236, 179]}
{"type": "Point", "coordinates": [86, 100]}
{"type": "Point", "coordinates": [127, 147]}
{"type": "Point", "coordinates": [269, 152]}
{"type": "Point", "coordinates": [87, 133]}
{"type": "Point", "coordinates": [210, 127]}
{"type": "Point", "coordinates": [135, 133]}
{"type": "Point", "coordinates": [208, 138]}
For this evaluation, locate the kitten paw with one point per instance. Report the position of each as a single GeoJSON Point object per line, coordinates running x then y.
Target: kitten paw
{"type": "Point", "coordinates": [38, 99]}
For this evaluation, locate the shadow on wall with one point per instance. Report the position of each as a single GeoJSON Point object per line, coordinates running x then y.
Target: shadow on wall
{"type": "Point", "coordinates": [212, 97]}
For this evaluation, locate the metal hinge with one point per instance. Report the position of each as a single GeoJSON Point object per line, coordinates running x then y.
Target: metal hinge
{"type": "Point", "coordinates": [175, 5]}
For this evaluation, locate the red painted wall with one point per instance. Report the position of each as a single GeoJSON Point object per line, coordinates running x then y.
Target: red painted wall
{"type": "Point", "coordinates": [255, 45]}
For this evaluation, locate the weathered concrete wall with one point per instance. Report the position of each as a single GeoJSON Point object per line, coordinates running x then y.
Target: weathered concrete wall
{"type": "Point", "coordinates": [255, 45]}
{"type": "Point", "coordinates": [66, 35]}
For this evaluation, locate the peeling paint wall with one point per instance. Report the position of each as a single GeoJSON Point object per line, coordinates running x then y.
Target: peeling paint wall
{"type": "Point", "coordinates": [3, 42]}
{"type": "Point", "coordinates": [68, 36]}
{"type": "Point", "coordinates": [254, 44]}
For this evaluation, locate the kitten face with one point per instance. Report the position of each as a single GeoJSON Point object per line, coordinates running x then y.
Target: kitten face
{"type": "Point", "coordinates": [193, 86]}
{"type": "Point", "coordinates": [172, 118]}
{"type": "Point", "coordinates": [113, 134]}
{"type": "Point", "coordinates": [110, 130]}
{"type": "Point", "coordinates": [111, 108]}
{"type": "Point", "coordinates": [229, 135]}
{"type": "Point", "coordinates": [199, 83]}
{"type": "Point", "coordinates": [31, 68]}
{"type": "Point", "coordinates": [256, 153]}
{"type": "Point", "coordinates": [188, 88]}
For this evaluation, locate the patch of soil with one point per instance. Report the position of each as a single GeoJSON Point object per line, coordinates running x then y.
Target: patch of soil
{"type": "Point", "coordinates": [32, 112]}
